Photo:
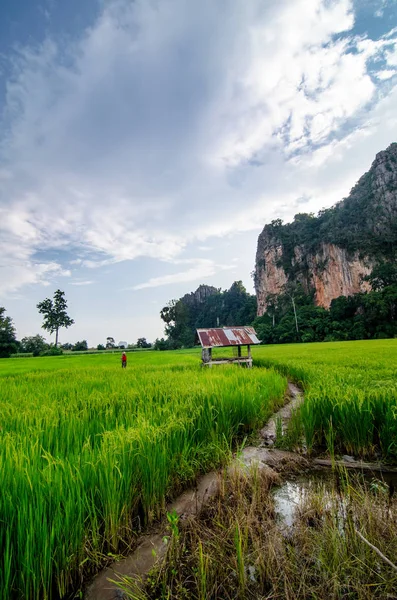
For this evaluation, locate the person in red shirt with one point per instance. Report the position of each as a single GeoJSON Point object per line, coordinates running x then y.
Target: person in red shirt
{"type": "Point", "coordinates": [124, 360]}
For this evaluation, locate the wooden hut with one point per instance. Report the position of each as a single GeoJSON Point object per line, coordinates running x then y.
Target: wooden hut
{"type": "Point", "coordinates": [226, 337]}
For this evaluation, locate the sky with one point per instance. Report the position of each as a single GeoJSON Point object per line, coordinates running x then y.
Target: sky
{"type": "Point", "coordinates": [144, 144]}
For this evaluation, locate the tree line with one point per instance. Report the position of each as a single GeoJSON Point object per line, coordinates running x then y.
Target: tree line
{"type": "Point", "coordinates": [291, 316]}
{"type": "Point", "coordinates": [55, 317]}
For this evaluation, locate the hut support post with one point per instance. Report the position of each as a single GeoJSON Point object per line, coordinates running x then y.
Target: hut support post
{"type": "Point", "coordinates": [206, 357]}
{"type": "Point", "coordinates": [249, 363]}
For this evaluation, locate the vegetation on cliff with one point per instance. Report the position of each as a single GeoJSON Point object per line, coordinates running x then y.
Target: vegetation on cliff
{"type": "Point", "coordinates": [364, 222]}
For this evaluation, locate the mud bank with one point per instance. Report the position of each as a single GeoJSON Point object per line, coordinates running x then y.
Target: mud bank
{"type": "Point", "coordinates": [152, 547]}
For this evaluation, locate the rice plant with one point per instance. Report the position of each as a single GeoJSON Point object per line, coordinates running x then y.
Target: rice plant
{"type": "Point", "coordinates": [350, 393]}
{"type": "Point", "coordinates": [90, 453]}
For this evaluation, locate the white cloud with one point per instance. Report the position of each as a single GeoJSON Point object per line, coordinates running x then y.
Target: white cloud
{"type": "Point", "coordinates": [201, 269]}
{"type": "Point", "coordinates": [391, 57]}
{"type": "Point", "coordinates": [86, 282]}
{"type": "Point", "coordinates": [380, 9]}
{"type": "Point", "coordinates": [387, 74]}
{"type": "Point", "coordinates": [16, 272]}
{"type": "Point", "coordinates": [142, 136]}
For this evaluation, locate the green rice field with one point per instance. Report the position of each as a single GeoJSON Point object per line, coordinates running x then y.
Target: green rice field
{"type": "Point", "coordinates": [350, 393]}
{"type": "Point", "coordinates": [90, 452]}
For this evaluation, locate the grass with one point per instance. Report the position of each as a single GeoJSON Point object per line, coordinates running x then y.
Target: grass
{"type": "Point", "coordinates": [350, 393]}
{"type": "Point", "coordinates": [237, 549]}
{"type": "Point", "coordinates": [89, 453]}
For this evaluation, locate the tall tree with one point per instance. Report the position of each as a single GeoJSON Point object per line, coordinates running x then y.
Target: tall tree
{"type": "Point", "coordinates": [55, 315]}
{"type": "Point", "coordinates": [292, 290]}
{"type": "Point", "coordinates": [110, 343]}
{"type": "Point", "coordinates": [8, 342]}
{"type": "Point", "coordinates": [143, 343]}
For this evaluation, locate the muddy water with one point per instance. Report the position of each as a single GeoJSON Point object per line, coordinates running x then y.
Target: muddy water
{"type": "Point", "coordinates": [287, 498]}
{"type": "Point", "coordinates": [291, 496]}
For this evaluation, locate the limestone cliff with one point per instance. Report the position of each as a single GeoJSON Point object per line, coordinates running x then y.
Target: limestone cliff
{"type": "Point", "coordinates": [331, 254]}
{"type": "Point", "coordinates": [200, 295]}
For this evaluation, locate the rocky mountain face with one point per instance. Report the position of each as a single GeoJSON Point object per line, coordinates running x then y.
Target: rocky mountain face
{"type": "Point", "coordinates": [200, 295]}
{"type": "Point", "coordinates": [330, 254]}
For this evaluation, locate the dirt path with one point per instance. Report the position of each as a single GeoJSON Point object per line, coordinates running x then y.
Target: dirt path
{"type": "Point", "coordinates": [268, 433]}
{"type": "Point", "coordinates": [153, 547]}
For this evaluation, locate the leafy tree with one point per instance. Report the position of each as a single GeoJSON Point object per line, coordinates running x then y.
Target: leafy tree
{"type": "Point", "coordinates": [389, 295]}
{"type": "Point", "coordinates": [168, 313]}
{"type": "Point", "coordinates": [142, 343]}
{"type": "Point", "coordinates": [383, 275]}
{"type": "Point", "coordinates": [161, 344]}
{"type": "Point", "coordinates": [110, 343]}
{"type": "Point", "coordinates": [343, 307]}
{"type": "Point", "coordinates": [293, 291]}
{"type": "Point", "coordinates": [55, 315]}
{"type": "Point", "coordinates": [239, 307]}
{"type": "Point", "coordinates": [271, 304]}
{"type": "Point", "coordinates": [67, 346]}
{"type": "Point", "coordinates": [35, 344]}
{"type": "Point", "coordinates": [100, 347]}
{"type": "Point", "coordinates": [80, 346]}
{"type": "Point", "coordinates": [8, 342]}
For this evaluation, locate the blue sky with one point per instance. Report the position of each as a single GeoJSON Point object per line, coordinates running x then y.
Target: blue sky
{"type": "Point", "coordinates": [144, 145]}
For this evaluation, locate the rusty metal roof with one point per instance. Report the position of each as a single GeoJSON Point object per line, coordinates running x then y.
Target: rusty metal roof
{"type": "Point", "coordinates": [227, 336]}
